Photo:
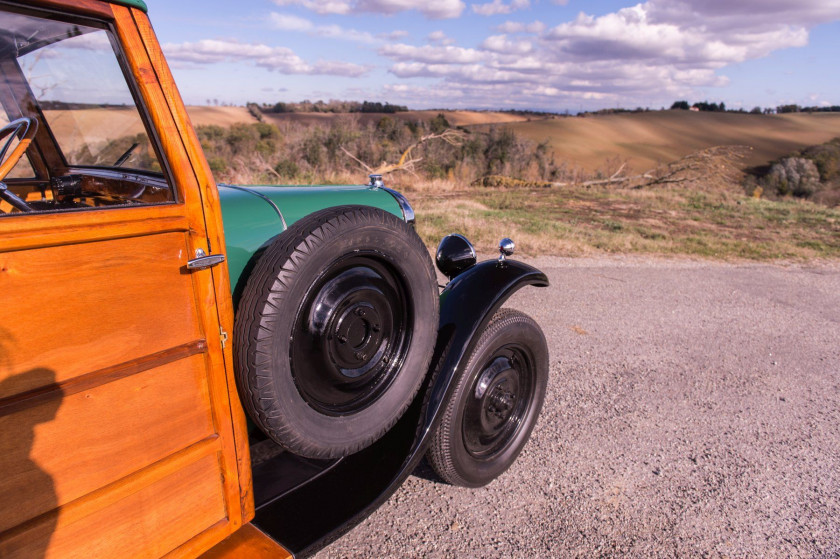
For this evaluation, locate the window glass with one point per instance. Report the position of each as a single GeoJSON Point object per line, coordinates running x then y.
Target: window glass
{"type": "Point", "coordinates": [92, 148]}
{"type": "Point", "coordinates": [81, 90]}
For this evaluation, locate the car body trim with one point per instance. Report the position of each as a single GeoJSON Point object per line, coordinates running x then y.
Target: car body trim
{"type": "Point", "coordinates": [139, 4]}
{"type": "Point", "coordinates": [259, 195]}
{"type": "Point", "coordinates": [407, 210]}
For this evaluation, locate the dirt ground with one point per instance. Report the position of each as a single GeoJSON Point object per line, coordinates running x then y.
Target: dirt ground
{"type": "Point", "coordinates": [693, 410]}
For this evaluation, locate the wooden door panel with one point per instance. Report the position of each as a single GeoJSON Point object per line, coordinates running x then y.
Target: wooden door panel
{"type": "Point", "coordinates": [137, 420]}
{"type": "Point", "coordinates": [83, 307]}
{"type": "Point", "coordinates": [146, 523]}
{"type": "Point", "coordinates": [120, 430]}
{"type": "Point", "coordinates": [106, 384]}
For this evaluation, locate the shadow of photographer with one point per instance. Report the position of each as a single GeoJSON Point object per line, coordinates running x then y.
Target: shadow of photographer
{"type": "Point", "coordinates": [24, 486]}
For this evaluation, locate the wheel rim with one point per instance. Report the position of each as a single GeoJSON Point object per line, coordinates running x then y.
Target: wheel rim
{"type": "Point", "coordinates": [351, 335]}
{"type": "Point", "coordinates": [499, 402]}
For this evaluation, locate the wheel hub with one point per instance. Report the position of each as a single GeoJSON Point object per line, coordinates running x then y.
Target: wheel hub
{"type": "Point", "coordinates": [494, 414]}
{"type": "Point", "coordinates": [500, 403]}
{"type": "Point", "coordinates": [350, 337]}
{"type": "Point", "coordinates": [358, 333]}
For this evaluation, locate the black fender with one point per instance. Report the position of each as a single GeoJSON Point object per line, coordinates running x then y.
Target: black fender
{"type": "Point", "coordinates": [333, 501]}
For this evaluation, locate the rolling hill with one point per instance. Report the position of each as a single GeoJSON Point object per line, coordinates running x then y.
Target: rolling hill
{"type": "Point", "coordinates": [645, 140]}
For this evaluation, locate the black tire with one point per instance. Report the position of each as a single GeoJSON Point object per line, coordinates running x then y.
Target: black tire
{"type": "Point", "coordinates": [335, 330]}
{"type": "Point", "coordinates": [496, 403]}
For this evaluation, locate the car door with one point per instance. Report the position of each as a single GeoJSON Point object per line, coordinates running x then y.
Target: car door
{"type": "Point", "coordinates": [120, 431]}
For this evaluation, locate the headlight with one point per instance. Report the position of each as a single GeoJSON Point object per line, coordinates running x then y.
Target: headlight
{"type": "Point", "coordinates": [454, 255]}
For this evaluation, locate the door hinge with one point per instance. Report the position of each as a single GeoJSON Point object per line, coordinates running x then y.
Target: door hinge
{"type": "Point", "coordinates": [223, 336]}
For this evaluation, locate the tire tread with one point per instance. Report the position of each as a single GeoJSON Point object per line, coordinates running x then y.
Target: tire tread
{"type": "Point", "coordinates": [440, 452]}
{"type": "Point", "coordinates": [267, 287]}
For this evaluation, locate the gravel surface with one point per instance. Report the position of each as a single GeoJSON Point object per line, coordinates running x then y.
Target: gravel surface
{"type": "Point", "coordinates": [693, 410]}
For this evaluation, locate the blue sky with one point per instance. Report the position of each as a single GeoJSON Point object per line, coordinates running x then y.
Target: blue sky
{"type": "Point", "coordinates": [553, 55]}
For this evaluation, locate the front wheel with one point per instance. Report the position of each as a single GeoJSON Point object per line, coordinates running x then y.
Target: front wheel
{"type": "Point", "coordinates": [496, 403]}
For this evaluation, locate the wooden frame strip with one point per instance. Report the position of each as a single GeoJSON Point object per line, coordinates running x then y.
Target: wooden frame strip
{"type": "Point", "coordinates": [95, 379]}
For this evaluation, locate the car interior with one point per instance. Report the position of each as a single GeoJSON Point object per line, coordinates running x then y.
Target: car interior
{"type": "Point", "coordinates": [72, 136]}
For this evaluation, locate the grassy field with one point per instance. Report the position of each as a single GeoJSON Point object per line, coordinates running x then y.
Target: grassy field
{"type": "Point", "coordinates": [641, 140]}
{"type": "Point", "coordinates": [455, 118]}
{"type": "Point", "coordinates": [664, 221]}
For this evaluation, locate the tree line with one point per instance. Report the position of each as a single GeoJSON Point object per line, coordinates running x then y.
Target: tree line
{"type": "Point", "coordinates": [706, 106]}
{"type": "Point", "coordinates": [331, 106]}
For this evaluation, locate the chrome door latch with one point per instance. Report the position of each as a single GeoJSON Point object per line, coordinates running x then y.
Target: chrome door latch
{"type": "Point", "coordinates": [203, 260]}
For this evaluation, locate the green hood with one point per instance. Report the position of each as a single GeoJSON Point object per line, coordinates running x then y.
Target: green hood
{"type": "Point", "coordinates": [254, 215]}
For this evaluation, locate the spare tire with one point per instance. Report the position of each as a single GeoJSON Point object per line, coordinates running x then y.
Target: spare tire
{"type": "Point", "coordinates": [335, 330]}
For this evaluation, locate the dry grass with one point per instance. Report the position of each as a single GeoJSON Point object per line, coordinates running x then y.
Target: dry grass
{"type": "Point", "coordinates": [693, 206]}
{"type": "Point", "coordinates": [682, 219]}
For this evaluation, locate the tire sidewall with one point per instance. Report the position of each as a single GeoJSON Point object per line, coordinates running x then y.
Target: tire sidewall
{"type": "Point", "coordinates": [325, 245]}
{"type": "Point", "coordinates": [474, 472]}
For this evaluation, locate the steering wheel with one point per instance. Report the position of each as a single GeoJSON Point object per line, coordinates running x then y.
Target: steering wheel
{"type": "Point", "coordinates": [24, 130]}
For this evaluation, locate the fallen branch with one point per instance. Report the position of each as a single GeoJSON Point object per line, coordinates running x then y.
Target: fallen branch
{"type": "Point", "coordinates": [357, 160]}
{"type": "Point", "coordinates": [406, 162]}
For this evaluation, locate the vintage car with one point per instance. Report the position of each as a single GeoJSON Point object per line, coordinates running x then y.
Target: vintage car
{"type": "Point", "coordinates": [145, 309]}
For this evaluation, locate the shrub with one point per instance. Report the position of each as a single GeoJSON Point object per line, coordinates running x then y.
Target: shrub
{"type": "Point", "coordinates": [314, 154]}
{"type": "Point", "coordinates": [793, 175]}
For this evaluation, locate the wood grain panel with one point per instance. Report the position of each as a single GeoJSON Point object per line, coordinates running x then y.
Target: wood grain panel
{"type": "Point", "coordinates": [25, 231]}
{"type": "Point", "coordinates": [212, 214]}
{"type": "Point", "coordinates": [96, 310]}
{"type": "Point", "coordinates": [148, 523]}
{"type": "Point", "coordinates": [84, 307]}
{"type": "Point", "coordinates": [100, 377]}
{"type": "Point", "coordinates": [248, 542]}
{"type": "Point", "coordinates": [99, 436]}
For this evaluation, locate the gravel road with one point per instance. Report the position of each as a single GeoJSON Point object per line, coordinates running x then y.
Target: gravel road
{"type": "Point", "coordinates": [693, 410]}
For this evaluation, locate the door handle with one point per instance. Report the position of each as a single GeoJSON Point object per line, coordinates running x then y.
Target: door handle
{"type": "Point", "coordinates": [203, 260]}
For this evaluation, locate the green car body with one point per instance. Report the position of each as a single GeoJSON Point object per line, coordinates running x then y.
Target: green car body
{"type": "Point", "coordinates": [254, 215]}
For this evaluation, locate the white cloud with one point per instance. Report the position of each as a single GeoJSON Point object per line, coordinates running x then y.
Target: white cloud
{"type": "Point", "coordinates": [329, 7]}
{"type": "Point", "coordinates": [501, 44]}
{"type": "Point", "coordinates": [285, 22]}
{"type": "Point", "coordinates": [642, 33]}
{"type": "Point", "coordinates": [440, 38]}
{"type": "Point", "coordinates": [497, 7]}
{"type": "Point", "coordinates": [433, 9]}
{"type": "Point", "coordinates": [280, 59]}
{"type": "Point", "coordinates": [652, 52]}
{"type": "Point", "coordinates": [517, 27]}
{"type": "Point", "coordinates": [338, 32]}
{"type": "Point", "coordinates": [431, 54]}
{"type": "Point", "coordinates": [395, 35]}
